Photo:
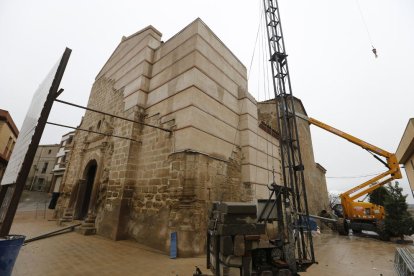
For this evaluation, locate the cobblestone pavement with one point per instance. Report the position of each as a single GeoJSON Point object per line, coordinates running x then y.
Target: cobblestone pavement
{"type": "Point", "coordinates": [75, 254]}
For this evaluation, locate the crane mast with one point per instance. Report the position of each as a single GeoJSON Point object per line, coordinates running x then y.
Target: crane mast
{"type": "Point", "coordinates": [295, 219]}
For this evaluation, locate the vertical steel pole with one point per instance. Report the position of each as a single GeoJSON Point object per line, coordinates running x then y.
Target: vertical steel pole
{"type": "Point", "coordinates": [295, 201]}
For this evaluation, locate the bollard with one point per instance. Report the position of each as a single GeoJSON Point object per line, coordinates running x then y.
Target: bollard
{"type": "Point", "coordinates": [173, 245]}
{"type": "Point", "coordinates": [9, 249]}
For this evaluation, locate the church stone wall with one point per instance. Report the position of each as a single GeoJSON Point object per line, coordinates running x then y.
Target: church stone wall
{"type": "Point", "coordinates": [314, 173]}
{"type": "Point", "coordinates": [158, 182]}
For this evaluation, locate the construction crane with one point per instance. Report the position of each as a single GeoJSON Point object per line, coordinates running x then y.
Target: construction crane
{"type": "Point", "coordinates": [354, 214]}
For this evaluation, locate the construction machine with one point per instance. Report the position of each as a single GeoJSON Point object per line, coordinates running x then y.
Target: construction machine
{"type": "Point", "coordinates": [359, 215]}
{"type": "Point", "coordinates": [236, 235]}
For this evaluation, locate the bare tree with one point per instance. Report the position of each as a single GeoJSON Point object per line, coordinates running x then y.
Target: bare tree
{"type": "Point", "coordinates": [333, 199]}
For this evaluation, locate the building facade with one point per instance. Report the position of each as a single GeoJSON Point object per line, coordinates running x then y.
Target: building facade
{"type": "Point", "coordinates": [8, 137]}
{"type": "Point", "coordinates": [200, 137]}
{"type": "Point", "coordinates": [405, 152]}
{"type": "Point", "coordinates": [314, 173]}
{"type": "Point", "coordinates": [40, 175]}
{"type": "Point", "coordinates": [62, 158]}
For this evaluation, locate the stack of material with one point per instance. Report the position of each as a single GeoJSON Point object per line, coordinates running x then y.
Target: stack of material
{"type": "Point", "coordinates": [233, 233]}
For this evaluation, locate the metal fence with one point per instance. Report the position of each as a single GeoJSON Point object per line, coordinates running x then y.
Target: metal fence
{"type": "Point", "coordinates": [404, 262]}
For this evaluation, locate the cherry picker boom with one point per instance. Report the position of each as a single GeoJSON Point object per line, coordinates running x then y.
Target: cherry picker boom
{"type": "Point", "coordinates": [357, 215]}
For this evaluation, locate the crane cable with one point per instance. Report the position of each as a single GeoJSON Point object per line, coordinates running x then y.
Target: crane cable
{"type": "Point", "coordinates": [374, 50]}
{"type": "Point", "coordinates": [254, 48]}
{"type": "Point", "coordinates": [358, 176]}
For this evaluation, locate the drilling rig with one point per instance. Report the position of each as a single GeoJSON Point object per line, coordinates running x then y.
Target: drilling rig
{"type": "Point", "coordinates": [236, 231]}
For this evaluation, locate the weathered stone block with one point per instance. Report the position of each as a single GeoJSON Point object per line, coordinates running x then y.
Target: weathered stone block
{"type": "Point", "coordinates": [155, 182]}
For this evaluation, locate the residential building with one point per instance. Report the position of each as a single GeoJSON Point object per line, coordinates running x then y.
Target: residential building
{"type": "Point", "coordinates": [8, 137]}
{"type": "Point", "coordinates": [60, 166]}
{"type": "Point", "coordinates": [40, 175]}
{"type": "Point", "coordinates": [405, 152]}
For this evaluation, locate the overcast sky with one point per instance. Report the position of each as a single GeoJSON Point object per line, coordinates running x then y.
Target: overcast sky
{"type": "Point", "coordinates": [333, 70]}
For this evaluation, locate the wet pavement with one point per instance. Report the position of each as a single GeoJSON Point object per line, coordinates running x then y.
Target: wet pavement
{"type": "Point", "coordinates": [352, 255]}
{"type": "Point", "coordinates": [75, 254]}
{"type": "Point", "coordinates": [32, 201]}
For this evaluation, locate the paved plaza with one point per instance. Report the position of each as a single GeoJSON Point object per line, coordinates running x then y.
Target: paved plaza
{"type": "Point", "coordinates": [75, 254]}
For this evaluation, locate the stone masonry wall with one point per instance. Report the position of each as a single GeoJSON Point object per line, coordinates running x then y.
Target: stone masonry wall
{"type": "Point", "coordinates": [314, 174]}
{"type": "Point", "coordinates": [158, 182]}
{"type": "Point", "coordinates": [151, 195]}
{"type": "Point", "coordinates": [89, 146]}
{"type": "Point", "coordinates": [174, 190]}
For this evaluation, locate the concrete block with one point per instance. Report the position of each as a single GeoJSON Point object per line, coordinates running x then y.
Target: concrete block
{"type": "Point", "coordinates": [216, 58]}
{"type": "Point", "coordinates": [141, 69]}
{"type": "Point", "coordinates": [127, 50]}
{"type": "Point", "coordinates": [239, 245]}
{"type": "Point", "coordinates": [216, 44]}
{"type": "Point", "coordinates": [261, 191]}
{"type": "Point", "coordinates": [266, 142]}
{"type": "Point", "coordinates": [246, 106]}
{"type": "Point", "coordinates": [175, 41]}
{"type": "Point", "coordinates": [195, 59]}
{"type": "Point", "coordinates": [226, 245]}
{"type": "Point", "coordinates": [237, 219]}
{"type": "Point", "coordinates": [135, 99]}
{"type": "Point", "coordinates": [192, 138]}
{"type": "Point", "coordinates": [173, 71]}
{"type": "Point", "coordinates": [192, 96]}
{"type": "Point", "coordinates": [238, 208]}
{"type": "Point", "coordinates": [190, 78]}
{"type": "Point", "coordinates": [185, 48]}
{"type": "Point", "coordinates": [254, 174]}
{"type": "Point", "coordinates": [195, 117]}
{"type": "Point", "coordinates": [215, 72]}
{"type": "Point", "coordinates": [248, 121]}
{"type": "Point", "coordinates": [266, 160]}
{"type": "Point", "coordinates": [140, 83]}
{"type": "Point", "coordinates": [133, 68]}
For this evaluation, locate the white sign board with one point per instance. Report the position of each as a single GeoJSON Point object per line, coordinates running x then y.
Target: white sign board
{"type": "Point", "coordinates": [28, 128]}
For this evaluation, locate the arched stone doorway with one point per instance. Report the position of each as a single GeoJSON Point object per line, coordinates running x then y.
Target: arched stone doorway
{"type": "Point", "coordinates": [85, 190]}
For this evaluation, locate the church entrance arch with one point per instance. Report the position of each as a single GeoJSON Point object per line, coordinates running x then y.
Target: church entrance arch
{"type": "Point", "coordinates": [85, 190]}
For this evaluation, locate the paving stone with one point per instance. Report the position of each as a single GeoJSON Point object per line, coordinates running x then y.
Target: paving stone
{"type": "Point", "coordinates": [75, 254]}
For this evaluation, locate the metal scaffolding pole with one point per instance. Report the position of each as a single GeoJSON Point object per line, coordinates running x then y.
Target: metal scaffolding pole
{"type": "Point", "coordinates": [112, 115]}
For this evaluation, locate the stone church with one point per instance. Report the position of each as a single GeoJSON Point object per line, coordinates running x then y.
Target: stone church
{"type": "Point", "coordinates": [211, 141]}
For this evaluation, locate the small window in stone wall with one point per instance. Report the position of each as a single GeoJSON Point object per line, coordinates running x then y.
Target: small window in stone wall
{"type": "Point", "coordinates": [99, 125]}
{"type": "Point", "coordinates": [44, 168]}
{"type": "Point", "coordinates": [49, 152]}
